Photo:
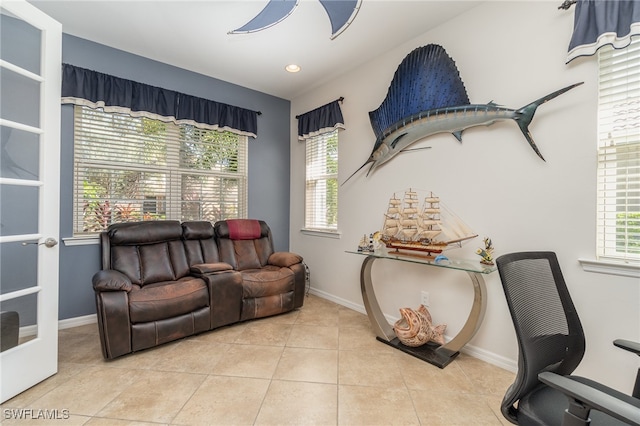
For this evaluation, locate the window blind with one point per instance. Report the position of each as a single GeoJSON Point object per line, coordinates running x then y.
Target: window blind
{"type": "Point", "coordinates": [135, 168]}
{"type": "Point", "coordinates": [321, 195]}
{"type": "Point", "coordinates": [619, 153]}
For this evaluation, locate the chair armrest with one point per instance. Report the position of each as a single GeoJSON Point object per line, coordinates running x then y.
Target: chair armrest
{"type": "Point", "coordinates": [111, 280]}
{"type": "Point", "coordinates": [208, 268]}
{"type": "Point", "coordinates": [593, 398]}
{"type": "Point", "coordinates": [284, 259]}
{"type": "Point", "coordinates": [628, 345]}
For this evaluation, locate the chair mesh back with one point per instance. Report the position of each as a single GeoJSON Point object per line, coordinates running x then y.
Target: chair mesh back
{"type": "Point", "coordinates": [550, 336]}
{"type": "Point", "coordinates": [534, 298]}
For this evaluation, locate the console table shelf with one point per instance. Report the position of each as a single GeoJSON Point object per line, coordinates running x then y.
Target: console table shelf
{"type": "Point", "coordinates": [435, 354]}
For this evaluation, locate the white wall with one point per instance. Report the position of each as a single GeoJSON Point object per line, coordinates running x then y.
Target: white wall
{"type": "Point", "coordinates": [511, 53]}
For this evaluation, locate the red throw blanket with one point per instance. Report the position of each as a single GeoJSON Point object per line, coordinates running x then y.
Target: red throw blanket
{"type": "Point", "coordinates": [244, 229]}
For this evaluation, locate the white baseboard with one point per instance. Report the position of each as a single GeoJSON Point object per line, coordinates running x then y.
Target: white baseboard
{"type": "Point", "coordinates": [338, 300]}
{"type": "Point", "coordinates": [77, 321]}
{"type": "Point", "coordinates": [27, 331]}
{"type": "Point", "coordinates": [482, 354]}
{"type": "Point", "coordinates": [491, 358]}
{"type": "Point", "coordinates": [32, 330]}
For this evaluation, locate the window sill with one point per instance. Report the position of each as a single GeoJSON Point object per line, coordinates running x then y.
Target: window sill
{"type": "Point", "coordinates": [611, 267]}
{"type": "Point", "coordinates": [81, 241]}
{"type": "Point", "coordinates": [321, 233]}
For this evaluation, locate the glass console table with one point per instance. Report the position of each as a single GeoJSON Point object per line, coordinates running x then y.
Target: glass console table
{"type": "Point", "coordinates": [431, 352]}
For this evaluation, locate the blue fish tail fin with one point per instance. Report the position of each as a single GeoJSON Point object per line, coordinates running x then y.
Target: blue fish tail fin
{"type": "Point", "coordinates": [523, 117]}
{"type": "Point", "coordinates": [525, 114]}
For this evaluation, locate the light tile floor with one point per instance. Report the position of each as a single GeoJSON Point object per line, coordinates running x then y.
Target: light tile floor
{"type": "Point", "coordinates": [319, 365]}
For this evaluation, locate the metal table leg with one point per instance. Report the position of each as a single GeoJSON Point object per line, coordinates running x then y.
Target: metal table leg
{"type": "Point", "coordinates": [435, 354]}
{"type": "Point", "coordinates": [377, 319]}
{"type": "Point", "coordinates": [476, 315]}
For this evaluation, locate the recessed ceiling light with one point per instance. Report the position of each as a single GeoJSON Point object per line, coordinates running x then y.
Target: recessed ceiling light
{"type": "Point", "coordinates": [292, 68]}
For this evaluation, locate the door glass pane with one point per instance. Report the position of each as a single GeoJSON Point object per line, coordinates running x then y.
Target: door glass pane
{"type": "Point", "coordinates": [18, 319]}
{"type": "Point", "coordinates": [18, 210]}
{"type": "Point", "coordinates": [19, 266]}
{"type": "Point", "coordinates": [20, 100]}
{"type": "Point", "coordinates": [15, 34]}
{"type": "Point", "coordinates": [28, 196]}
{"type": "Point", "coordinates": [20, 45]}
{"type": "Point", "coordinates": [19, 154]}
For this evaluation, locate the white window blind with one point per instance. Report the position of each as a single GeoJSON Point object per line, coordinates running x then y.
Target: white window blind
{"type": "Point", "coordinates": [321, 196]}
{"type": "Point", "coordinates": [619, 153]}
{"type": "Point", "coordinates": [135, 168]}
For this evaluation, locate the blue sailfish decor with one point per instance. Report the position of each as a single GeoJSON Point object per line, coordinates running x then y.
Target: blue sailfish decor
{"type": "Point", "coordinates": [426, 97]}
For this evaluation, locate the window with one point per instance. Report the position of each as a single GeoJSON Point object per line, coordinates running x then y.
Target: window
{"type": "Point", "coordinates": [135, 168]}
{"type": "Point", "coordinates": [321, 195]}
{"type": "Point", "coordinates": [619, 153]}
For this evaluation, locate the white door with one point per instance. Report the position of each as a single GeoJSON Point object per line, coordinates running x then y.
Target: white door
{"type": "Point", "coordinates": [30, 80]}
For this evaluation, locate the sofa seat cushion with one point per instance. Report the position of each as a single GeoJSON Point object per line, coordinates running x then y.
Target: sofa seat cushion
{"type": "Point", "coordinates": [266, 281]}
{"type": "Point", "coordinates": [159, 301]}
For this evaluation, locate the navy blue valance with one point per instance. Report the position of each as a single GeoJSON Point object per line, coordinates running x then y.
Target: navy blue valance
{"type": "Point", "coordinates": [600, 22]}
{"type": "Point", "coordinates": [320, 120]}
{"type": "Point", "coordinates": [81, 86]}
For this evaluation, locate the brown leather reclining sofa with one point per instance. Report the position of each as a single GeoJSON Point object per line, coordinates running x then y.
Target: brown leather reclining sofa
{"type": "Point", "coordinates": [165, 280]}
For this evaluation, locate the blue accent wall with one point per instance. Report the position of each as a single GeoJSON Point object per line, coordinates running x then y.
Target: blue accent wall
{"type": "Point", "coordinates": [268, 182]}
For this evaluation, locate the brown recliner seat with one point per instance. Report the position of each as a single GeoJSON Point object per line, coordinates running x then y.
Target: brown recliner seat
{"type": "Point", "coordinates": [272, 282]}
{"type": "Point", "coordinates": [163, 280]}
{"type": "Point", "coordinates": [146, 293]}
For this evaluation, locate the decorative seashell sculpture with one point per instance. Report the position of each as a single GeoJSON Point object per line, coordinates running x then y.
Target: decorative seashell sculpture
{"type": "Point", "coordinates": [415, 328]}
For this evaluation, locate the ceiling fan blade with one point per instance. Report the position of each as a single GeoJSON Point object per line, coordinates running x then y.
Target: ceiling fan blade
{"type": "Point", "coordinates": [341, 14]}
{"type": "Point", "coordinates": [275, 11]}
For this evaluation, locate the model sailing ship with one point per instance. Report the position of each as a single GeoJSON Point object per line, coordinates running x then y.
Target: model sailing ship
{"type": "Point", "coordinates": [429, 228]}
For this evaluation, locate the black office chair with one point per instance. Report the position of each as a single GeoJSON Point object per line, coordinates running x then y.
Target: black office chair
{"type": "Point", "coordinates": [551, 345]}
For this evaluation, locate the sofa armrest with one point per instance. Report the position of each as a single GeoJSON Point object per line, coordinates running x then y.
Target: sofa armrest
{"type": "Point", "coordinates": [114, 323]}
{"type": "Point", "coordinates": [284, 259]}
{"type": "Point", "coordinates": [111, 280]}
{"type": "Point", "coordinates": [208, 268]}
{"type": "Point", "coordinates": [225, 292]}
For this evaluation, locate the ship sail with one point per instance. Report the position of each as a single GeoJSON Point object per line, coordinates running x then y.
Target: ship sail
{"type": "Point", "coordinates": [430, 219]}
{"type": "Point", "coordinates": [391, 225]}
{"type": "Point", "coordinates": [456, 230]}
{"type": "Point", "coordinates": [409, 216]}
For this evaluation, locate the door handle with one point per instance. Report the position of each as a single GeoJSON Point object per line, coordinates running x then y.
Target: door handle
{"type": "Point", "coordinates": [49, 242]}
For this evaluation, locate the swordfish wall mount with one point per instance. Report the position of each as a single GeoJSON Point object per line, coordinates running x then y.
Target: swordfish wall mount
{"type": "Point", "coordinates": [426, 97]}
